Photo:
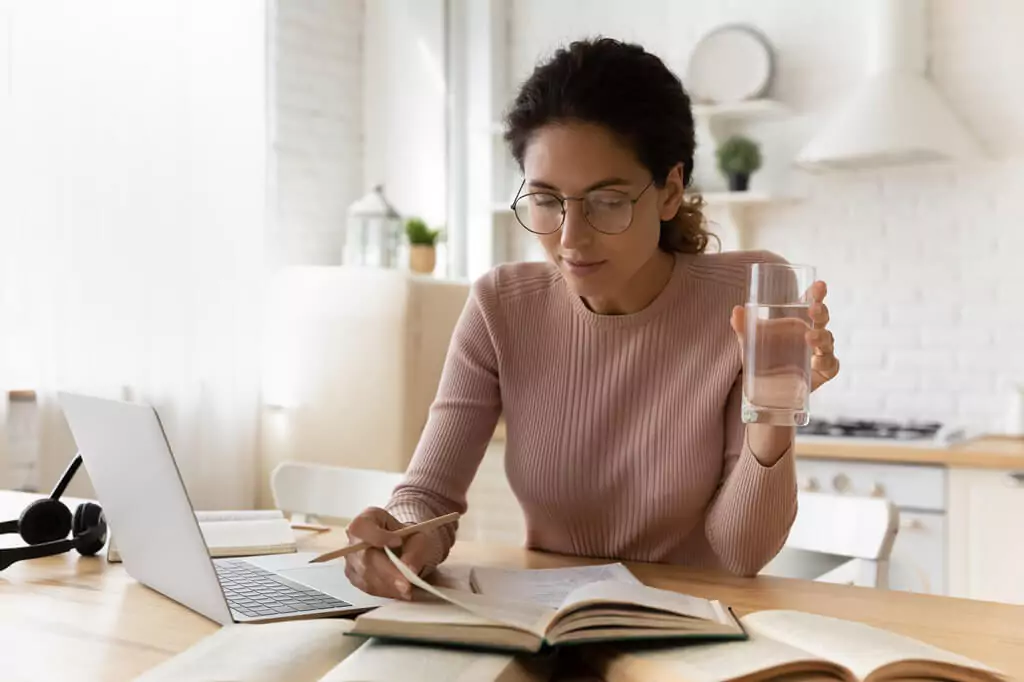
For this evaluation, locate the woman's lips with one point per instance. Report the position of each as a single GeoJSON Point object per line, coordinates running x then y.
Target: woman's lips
{"type": "Point", "coordinates": [582, 267]}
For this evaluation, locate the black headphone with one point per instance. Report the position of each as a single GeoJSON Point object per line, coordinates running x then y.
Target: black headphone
{"type": "Point", "coordinates": [45, 523]}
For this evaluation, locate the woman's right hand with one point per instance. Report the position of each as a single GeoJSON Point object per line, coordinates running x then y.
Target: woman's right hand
{"type": "Point", "coordinates": [370, 570]}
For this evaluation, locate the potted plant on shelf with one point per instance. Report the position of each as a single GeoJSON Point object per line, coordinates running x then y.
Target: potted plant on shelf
{"type": "Point", "coordinates": [738, 158]}
{"type": "Point", "coordinates": [422, 245]}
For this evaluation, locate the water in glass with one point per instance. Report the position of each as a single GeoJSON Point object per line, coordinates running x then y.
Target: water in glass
{"type": "Point", "coordinates": [777, 366]}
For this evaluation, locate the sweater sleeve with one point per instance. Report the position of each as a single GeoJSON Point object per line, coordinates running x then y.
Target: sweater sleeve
{"type": "Point", "coordinates": [749, 520]}
{"type": "Point", "coordinates": [459, 425]}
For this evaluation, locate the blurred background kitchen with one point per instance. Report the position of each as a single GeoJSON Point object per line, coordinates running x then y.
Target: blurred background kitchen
{"type": "Point", "coordinates": [263, 218]}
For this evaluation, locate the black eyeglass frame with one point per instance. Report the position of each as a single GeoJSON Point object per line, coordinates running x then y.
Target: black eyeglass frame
{"type": "Point", "coordinates": [562, 200]}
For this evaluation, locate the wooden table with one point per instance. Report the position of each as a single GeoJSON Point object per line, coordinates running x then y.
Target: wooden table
{"type": "Point", "coordinates": [69, 618]}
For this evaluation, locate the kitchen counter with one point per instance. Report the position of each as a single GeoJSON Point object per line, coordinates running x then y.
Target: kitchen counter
{"type": "Point", "coordinates": [984, 452]}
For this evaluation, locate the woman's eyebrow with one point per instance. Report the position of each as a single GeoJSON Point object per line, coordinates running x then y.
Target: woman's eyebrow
{"type": "Point", "coordinates": [607, 182]}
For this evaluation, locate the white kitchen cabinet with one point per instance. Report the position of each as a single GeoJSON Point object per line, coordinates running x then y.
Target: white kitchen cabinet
{"type": "Point", "coordinates": [986, 535]}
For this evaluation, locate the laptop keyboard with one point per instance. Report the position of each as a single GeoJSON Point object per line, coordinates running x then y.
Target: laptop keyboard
{"type": "Point", "coordinates": [254, 591]}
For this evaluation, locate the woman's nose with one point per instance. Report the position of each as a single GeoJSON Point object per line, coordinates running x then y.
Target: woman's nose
{"type": "Point", "coordinates": [576, 231]}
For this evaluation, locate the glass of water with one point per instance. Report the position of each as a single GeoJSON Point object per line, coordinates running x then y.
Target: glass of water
{"type": "Point", "coordinates": [777, 356]}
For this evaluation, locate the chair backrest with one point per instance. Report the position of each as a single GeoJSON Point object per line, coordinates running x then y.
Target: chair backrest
{"type": "Point", "coordinates": [329, 491]}
{"type": "Point", "coordinates": [844, 525]}
{"type": "Point", "coordinates": [839, 539]}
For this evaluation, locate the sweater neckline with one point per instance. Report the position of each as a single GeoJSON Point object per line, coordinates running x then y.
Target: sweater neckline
{"type": "Point", "coordinates": [680, 272]}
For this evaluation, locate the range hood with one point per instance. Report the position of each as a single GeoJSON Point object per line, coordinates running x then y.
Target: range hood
{"type": "Point", "coordinates": [896, 116]}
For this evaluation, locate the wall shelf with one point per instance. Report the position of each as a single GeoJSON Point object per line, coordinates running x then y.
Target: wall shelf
{"type": "Point", "coordinates": [749, 110]}
{"type": "Point", "coordinates": [732, 212]}
{"type": "Point", "coordinates": [747, 198]}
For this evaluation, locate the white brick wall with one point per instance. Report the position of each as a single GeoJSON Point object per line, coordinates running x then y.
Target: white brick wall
{"type": "Point", "coordinates": [924, 265]}
{"type": "Point", "coordinates": [317, 124]}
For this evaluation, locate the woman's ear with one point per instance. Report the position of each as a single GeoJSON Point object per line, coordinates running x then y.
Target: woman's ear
{"type": "Point", "coordinates": [671, 195]}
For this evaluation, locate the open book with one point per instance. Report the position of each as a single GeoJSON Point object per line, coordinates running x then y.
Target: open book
{"type": "Point", "coordinates": [607, 610]}
{"type": "Point", "coordinates": [317, 651]}
{"type": "Point", "coordinates": [247, 532]}
{"type": "Point", "coordinates": [795, 645]}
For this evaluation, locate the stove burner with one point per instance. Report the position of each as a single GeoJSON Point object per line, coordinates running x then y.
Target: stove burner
{"type": "Point", "coordinates": [867, 428]}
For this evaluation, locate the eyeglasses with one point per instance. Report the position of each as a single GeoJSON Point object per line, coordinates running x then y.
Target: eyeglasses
{"type": "Point", "coordinates": [608, 211]}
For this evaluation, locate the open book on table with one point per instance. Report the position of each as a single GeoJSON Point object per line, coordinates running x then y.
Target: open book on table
{"type": "Point", "coordinates": [247, 532]}
{"type": "Point", "coordinates": [606, 610]}
{"type": "Point", "coordinates": [794, 645]}
{"type": "Point", "coordinates": [318, 651]}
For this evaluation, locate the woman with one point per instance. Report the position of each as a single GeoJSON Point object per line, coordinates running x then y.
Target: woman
{"type": "Point", "coordinates": [616, 364]}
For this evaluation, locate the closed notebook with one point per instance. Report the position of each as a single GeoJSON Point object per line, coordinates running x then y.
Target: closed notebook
{"type": "Point", "coordinates": [317, 650]}
{"type": "Point", "coordinates": [606, 610]}
{"type": "Point", "coordinates": [237, 533]}
{"type": "Point", "coordinates": [792, 645]}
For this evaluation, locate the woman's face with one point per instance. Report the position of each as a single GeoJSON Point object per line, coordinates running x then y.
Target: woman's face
{"type": "Point", "coordinates": [582, 159]}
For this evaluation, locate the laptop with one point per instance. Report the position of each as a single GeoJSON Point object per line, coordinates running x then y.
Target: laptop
{"type": "Point", "coordinates": [127, 455]}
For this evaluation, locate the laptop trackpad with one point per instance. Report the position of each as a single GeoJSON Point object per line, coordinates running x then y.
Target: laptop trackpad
{"type": "Point", "coordinates": [331, 580]}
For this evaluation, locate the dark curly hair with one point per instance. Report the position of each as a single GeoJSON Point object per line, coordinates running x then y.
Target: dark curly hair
{"type": "Point", "coordinates": [631, 92]}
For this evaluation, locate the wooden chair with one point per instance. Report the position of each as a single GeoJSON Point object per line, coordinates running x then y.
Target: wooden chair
{"type": "Point", "coordinates": [839, 539]}
{"type": "Point", "coordinates": [315, 492]}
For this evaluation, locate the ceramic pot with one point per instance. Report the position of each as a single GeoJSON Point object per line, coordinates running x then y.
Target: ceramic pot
{"type": "Point", "coordinates": [422, 258]}
{"type": "Point", "coordinates": [739, 182]}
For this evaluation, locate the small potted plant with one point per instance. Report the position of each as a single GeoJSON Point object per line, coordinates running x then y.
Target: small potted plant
{"type": "Point", "coordinates": [422, 245]}
{"type": "Point", "coordinates": [738, 158]}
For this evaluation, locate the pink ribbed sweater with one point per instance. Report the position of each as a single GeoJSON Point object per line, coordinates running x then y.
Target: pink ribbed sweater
{"type": "Point", "coordinates": [624, 438]}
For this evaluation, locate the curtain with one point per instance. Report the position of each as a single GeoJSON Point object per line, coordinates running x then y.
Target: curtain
{"type": "Point", "coordinates": [133, 165]}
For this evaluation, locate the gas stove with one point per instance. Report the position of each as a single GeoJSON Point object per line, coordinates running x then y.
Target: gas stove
{"type": "Point", "coordinates": [873, 429]}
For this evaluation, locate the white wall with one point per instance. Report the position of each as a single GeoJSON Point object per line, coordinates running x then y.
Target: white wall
{"type": "Point", "coordinates": [924, 265]}
{"type": "Point", "coordinates": [405, 106]}
{"type": "Point", "coordinates": [317, 125]}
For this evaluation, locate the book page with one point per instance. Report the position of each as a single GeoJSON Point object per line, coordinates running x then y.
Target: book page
{"type": "Point", "coordinates": [717, 662]}
{"type": "Point", "coordinates": [642, 595]}
{"type": "Point", "coordinates": [289, 651]}
{"type": "Point", "coordinates": [214, 516]}
{"type": "Point", "coordinates": [547, 586]}
{"type": "Point", "coordinates": [860, 647]}
{"type": "Point", "coordinates": [385, 661]}
{"type": "Point", "coordinates": [519, 615]}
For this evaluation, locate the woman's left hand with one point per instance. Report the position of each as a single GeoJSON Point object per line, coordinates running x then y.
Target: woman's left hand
{"type": "Point", "coordinates": [824, 363]}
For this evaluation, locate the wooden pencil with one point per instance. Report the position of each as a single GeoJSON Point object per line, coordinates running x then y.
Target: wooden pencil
{"type": "Point", "coordinates": [402, 532]}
